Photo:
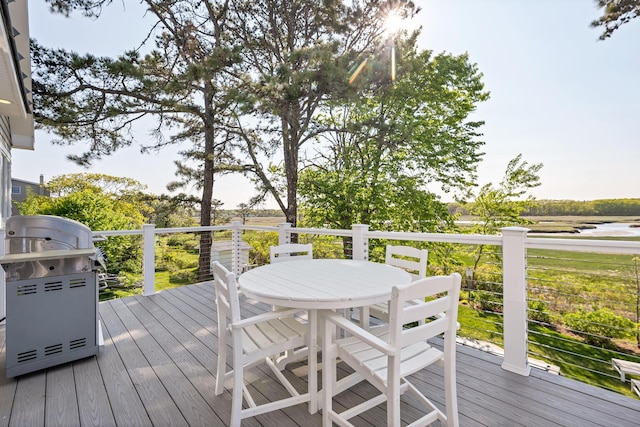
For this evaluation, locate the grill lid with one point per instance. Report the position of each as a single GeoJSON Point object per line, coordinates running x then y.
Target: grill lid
{"type": "Point", "coordinates": [45, 245]}
{"type": "Point", "coordinates": [36, 233]}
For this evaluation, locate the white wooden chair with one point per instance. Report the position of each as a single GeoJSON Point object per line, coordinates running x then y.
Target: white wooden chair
{"type": "Point", "coordinates": [253, 340]}
{"type": "Point", "coordinates": [284, 253]}
{"type": "Point", "coordinates": [386, 355]}
{"type": "Point", "coordinates": [411, 259]}
{"type": "Point", "coordinates": [291, 252]}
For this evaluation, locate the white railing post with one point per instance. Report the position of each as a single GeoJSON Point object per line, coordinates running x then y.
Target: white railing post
{"type": "Point", "coordinates": [284, 233]}
{"type": "Point", "coordinates": [236, 241]}
{"type": "Point", "coordinates": [360, 243]}
{"type": "Point", "coordinates": [3, 282]}
{"type": "Point", "coordinates": [148, 259]}
{"type": "Point", "coordinates": [514, 280]}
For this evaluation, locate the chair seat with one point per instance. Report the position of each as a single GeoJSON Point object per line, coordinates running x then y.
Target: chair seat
{"type": "Point", "coordinates": [413, 357]}
{"type": "Point", "coordinates": [285, 332]}
{"type": "Point", "coordinates": [381, 310]}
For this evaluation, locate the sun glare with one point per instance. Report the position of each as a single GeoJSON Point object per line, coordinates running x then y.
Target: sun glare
{"type": "Point", "coordinates": [393, 22]}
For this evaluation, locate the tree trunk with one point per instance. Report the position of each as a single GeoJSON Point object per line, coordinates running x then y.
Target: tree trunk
{"type": "Point", "coordinates": [204, 260]}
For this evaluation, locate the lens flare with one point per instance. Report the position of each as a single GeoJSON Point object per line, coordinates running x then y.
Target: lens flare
{"type": "Point", "coordinates": [355, 74]}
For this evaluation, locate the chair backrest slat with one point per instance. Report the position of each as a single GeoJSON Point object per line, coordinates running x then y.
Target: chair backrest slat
{"type": "Point", "coordinates": [443, 308]}
{"type": "Point", "coordinates": [291, 252]}
{"type": "Point", "coordinates": [432, 308]}
{"type": "Point", "coordinates": [411, 259]}
{"type": "Point", "coordinates": [424, 332]}
{"type": "Point", "coordinates": [226, 292]}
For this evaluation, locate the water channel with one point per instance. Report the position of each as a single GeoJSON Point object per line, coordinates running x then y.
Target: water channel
{"type": "Point", "coordinates": [611, 229]}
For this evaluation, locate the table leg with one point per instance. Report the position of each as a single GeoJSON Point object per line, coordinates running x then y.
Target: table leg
{"type": "Point", "coordinates": [313, 361]}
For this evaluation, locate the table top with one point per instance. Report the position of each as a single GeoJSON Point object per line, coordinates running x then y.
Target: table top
{"type": "Point", "coordinates": [322, 283]}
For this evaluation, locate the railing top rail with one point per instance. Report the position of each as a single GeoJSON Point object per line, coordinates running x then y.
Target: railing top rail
{"type": "Point", "coordinates": [116, 233]}
{"type": "Point", "coordinates": [259, 228]}
{"type": "Point", "coordinates": [476, 239]}
{"type": "Point", "coordinates": [584, 245]}
{"type": "Point", "coordinates": [321, 231]}
{"type": "Point", "coordinates": [580, 245]}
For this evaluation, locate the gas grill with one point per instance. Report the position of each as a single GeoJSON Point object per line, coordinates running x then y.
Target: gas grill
{"type": "Point", "coordinates": [51, 270]}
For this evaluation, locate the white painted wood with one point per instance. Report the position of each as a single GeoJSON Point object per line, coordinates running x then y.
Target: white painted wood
{"type": "Point", "coordinates": [410, 259]}
{"type": "Point", "coordinates": [359, 242]}
{"type": "Point", "coordinates": [624, 367]}
{"type": "Point", "coordinates": [239, 257]}
{"type": "Point", "coordinates": [321, 284]}
{"type": "Point", "coordinates": [148, 259]}
{"type": "Point", "coordinates": [515, 300]}
{"type": "Point", "coordinates": [284, 233]}
{"type": "Point", "coordinates": [387, 355]}
{"type": "Point", "coordinates": [290, 252]}
{"type": "Point", "coordinates": [253, 339]}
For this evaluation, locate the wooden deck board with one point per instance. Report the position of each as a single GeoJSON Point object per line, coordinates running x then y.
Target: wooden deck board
{"type": "Point", "coordinates": [157, 367]}
{"type": "Point", "coordinates": [93, 401]}
{"type": "Point", "coordinates": [29, 401]}
{"type": "Point", "coordinates": [61, 405]}
{"type": "Point", "coordinates": [152, 394]}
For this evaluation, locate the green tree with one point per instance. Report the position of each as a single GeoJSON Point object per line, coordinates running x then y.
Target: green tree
{"type": "Point", "coordinates": [181, 83]}
{"type": "Point", "coordinates": [394, 142]}
{"type": "Point", "coordinates": [501, 206]}
{"type": "Point", "coordinates": [615, 13]}
{"type": "Point", "coordinates": [295, 56]}
{"type": "Point", "coordinates": [99, 211]}
{"type": "Point", "coordinates": [244, 210]}
{"type": "Point", "coordinates": [170, 212]}
{"type": "Point", "coordinates": [249, 73]}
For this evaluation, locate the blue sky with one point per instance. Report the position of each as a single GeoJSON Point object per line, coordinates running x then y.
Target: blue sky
{"type": "Point", "coordinates": [558, 95]}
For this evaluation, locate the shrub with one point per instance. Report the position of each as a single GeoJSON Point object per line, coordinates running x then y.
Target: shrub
{"type": "Point", "coordinates": [487, 301]}
{"type": "Point", "coordinates": [600, 326]}
{"type": "Point", "coordinates": [538, 311]}
{"type": "Point", "coordinates": [184, 276]}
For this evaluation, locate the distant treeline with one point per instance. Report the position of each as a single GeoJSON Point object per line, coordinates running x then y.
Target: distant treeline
{"type": "Point", "coordinates": [253, 212]}
{"type": "Point", "coordinates": [604, 207]}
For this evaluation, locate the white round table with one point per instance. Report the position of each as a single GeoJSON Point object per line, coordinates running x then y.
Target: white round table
{"type": "Point", "coordinates": [321, 284]}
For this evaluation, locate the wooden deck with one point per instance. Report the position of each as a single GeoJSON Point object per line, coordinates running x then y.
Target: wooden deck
{"type": "Point", "coordinates": [157, 367]}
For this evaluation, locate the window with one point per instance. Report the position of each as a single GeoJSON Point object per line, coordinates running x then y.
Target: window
{"type": "Point", "coordinates": [16, 189]}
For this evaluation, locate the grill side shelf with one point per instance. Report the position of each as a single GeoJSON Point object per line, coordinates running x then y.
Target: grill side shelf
{"type": "Point", "coordinates": [45, 255]}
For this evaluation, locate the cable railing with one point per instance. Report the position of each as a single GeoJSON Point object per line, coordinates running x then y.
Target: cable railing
{"type": "Point", "coordinates": [584, 309]}
{"type": "Point", "coordinates": [513, 302]}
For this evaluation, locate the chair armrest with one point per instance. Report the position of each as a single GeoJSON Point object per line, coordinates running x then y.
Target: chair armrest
{"type": "Point", "coordinates": [358, 332]}
{"type": "Point", "coordinates": [271, 315]}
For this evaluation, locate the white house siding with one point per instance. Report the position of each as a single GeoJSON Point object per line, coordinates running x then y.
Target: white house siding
{"type": "Point", "coordinates": [5, 150]}
{"type": "Point", "coordinates": [5, 196]}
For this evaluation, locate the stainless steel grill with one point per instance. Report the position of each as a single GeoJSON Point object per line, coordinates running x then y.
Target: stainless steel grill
{"type": "Point", "coordinates": [51, 270]}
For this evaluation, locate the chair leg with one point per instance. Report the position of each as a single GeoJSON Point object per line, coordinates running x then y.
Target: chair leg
{"type": "Point", "coordinates": [450, 392]}
{"type": "Point", "coordinates": [328, 372]}
{"type": "Point", "coordinates": [236, 400]}
{"type": "Point", "coordinates": [222, 361]}
{"type": "Point", "coordinates": [393, 392]}
{"type": "Point", "coordinates": [364, 318]}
